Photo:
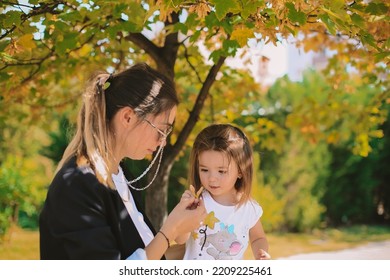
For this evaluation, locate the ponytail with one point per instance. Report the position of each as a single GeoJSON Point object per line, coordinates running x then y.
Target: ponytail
{"type": "Point", "coordinates": [91, 141]}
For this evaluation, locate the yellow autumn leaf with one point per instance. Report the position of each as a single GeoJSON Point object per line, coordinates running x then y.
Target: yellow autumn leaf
{"type": "Point", "coordinates": [375, 110]}
{"type": "Point", "coordinates": [195, 194]}
{"type": "Point", "coordinates": [85, 50]}
{"type": "Point", "coordinates": [26, 41]}
{"type": "Point", "coordinates": [242, 35]}
{"type": "Point", "coordinates": [376, 133]}
{"type": "Point", "coordinates": [230, 116]}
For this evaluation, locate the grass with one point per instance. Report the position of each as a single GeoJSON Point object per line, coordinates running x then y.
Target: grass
{"type": "Point", "coordinates": [20, 244]}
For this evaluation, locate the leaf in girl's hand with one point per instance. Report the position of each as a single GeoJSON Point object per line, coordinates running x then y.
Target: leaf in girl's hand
{"type": "Point", "coordinates": [196, 194]}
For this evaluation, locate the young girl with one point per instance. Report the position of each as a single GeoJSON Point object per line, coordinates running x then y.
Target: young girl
{"type": "Point", "coordinates": [221, 163]}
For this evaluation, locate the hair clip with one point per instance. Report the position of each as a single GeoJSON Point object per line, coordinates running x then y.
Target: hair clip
{"type": "Point", "coordinates": [103, 82]}
{"type": "Point", "coordinates": [108, 81]}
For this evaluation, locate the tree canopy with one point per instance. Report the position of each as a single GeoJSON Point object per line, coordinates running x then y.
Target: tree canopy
{"type": "Point", "coordinates": [48, 48]}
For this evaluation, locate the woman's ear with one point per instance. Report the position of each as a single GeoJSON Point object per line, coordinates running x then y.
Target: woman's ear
{"type": "Point", "coordinates": [126, 115]}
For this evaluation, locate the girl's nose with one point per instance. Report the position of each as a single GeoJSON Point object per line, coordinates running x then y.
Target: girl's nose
{"type": "Point", "coordinates": [212, 177]}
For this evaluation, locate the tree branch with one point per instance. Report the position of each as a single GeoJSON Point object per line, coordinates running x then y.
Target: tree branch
{"type": "Point", "coordinates": [144, 43]}
{"type": "Point", "coordinates": [199, 103]}
{"type": "Point", "coordinates": [186, 55]}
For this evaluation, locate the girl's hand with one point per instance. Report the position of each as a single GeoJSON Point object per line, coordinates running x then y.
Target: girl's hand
{"type": "Point", "coordinates": [262, 255]}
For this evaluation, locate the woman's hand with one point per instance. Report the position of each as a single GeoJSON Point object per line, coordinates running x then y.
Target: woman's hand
{"type": "Point", "coordinates": [185, 217]}
{"type": "Point", "coordinates": [188, 195]}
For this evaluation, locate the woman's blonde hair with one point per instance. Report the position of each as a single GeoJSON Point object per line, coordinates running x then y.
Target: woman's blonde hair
{"type": "Point", "coordinates": [231, 141]}
{"type": "Point", "coordinates": [140, 87]}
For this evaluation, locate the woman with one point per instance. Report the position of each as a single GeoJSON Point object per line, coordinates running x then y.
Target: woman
{"type": "Point", "coordinates": [90, 212]}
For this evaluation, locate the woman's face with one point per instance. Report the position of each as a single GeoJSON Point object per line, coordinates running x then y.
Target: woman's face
{"type": "Point", "coordinates": [148, 134]}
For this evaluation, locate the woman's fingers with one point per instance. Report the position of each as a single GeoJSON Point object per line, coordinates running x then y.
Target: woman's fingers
{"type": "Point", "coordinates": [186, 195]}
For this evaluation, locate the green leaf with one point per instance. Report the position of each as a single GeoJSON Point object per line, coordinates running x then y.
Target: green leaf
{"type": "Point", "coordinates": [223, 7]}
{"type": "Point", "coordinates": [191, 21]}
{"type": "Point", "coordinates": [376, 9]}
{"type": "Point", "coordinates": [249, 7]}
{"type": "Point", "coordinates": [130, 26]}
{"type": "Point", "coordinates": [119, 9]}
{"type": "Point", "coordinates": [211, 21]}
{"type": "Point", "coordinates": [181, 27]}
{"type": "Point", "coordinates": [12, 18]}
{"type": "Point", "coordinates": [68, 42]}
{"type": "Point", "coordinates": [367, 39]}
{"type": "Point", "coordinates": [215, 55]}
{"type": "Point", "coordinates": [358, 20]}
{"type": "Point", "coordinates": [227, 26]}
{"type": "Point", "coordinates": [230, 47]}
{"type": "Point", "coordinates": [71, 16]}
{"type": "Point", "coordinates": [294, 15]}
{"type": "Point", "coordinates": [329, 23]}
{"type": "Point", "coordinates": [381, 56]}
{"type": "Point", "coordinates": [195, 36]}
{"type": "Point", "coordinates": [61, 26]}
{"type": "Point", "coordinates": [3, 75]}
{"type": "Point", "coordinates": [273, 19]}
{"type": "Point", "coordinates": [113, 30]}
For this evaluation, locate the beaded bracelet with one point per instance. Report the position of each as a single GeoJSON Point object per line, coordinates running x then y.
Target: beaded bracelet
{"type": "Point", "coordinates": [166, 238]}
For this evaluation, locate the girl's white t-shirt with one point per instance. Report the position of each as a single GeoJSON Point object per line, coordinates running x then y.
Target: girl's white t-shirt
{"type": "Point", "coordinates": [228, 239]}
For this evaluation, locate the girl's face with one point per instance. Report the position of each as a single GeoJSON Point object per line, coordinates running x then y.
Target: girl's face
{"type": "Point", "coordinates": [218, 176]}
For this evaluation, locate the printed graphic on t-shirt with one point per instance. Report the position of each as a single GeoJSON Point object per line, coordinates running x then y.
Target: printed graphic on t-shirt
{"type": "Point", "coordinates": [222, 245]}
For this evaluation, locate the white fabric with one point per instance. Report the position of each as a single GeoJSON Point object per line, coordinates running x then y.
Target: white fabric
{"type": "Point", "coordinates": [230, 236]}
{"type": "Point", "coordinates": [139, 254]}
{"type": "Point", "coordinates": [137, 217]}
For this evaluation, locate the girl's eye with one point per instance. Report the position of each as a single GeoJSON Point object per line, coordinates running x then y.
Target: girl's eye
{"type": "Point", "coordinates": [203, 170]}
{"type": "Point", "coordinates": [222, 171]}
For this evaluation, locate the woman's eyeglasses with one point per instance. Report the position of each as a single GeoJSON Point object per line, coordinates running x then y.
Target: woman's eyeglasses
{"type": "Point", "coordinates": [163, 134]}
